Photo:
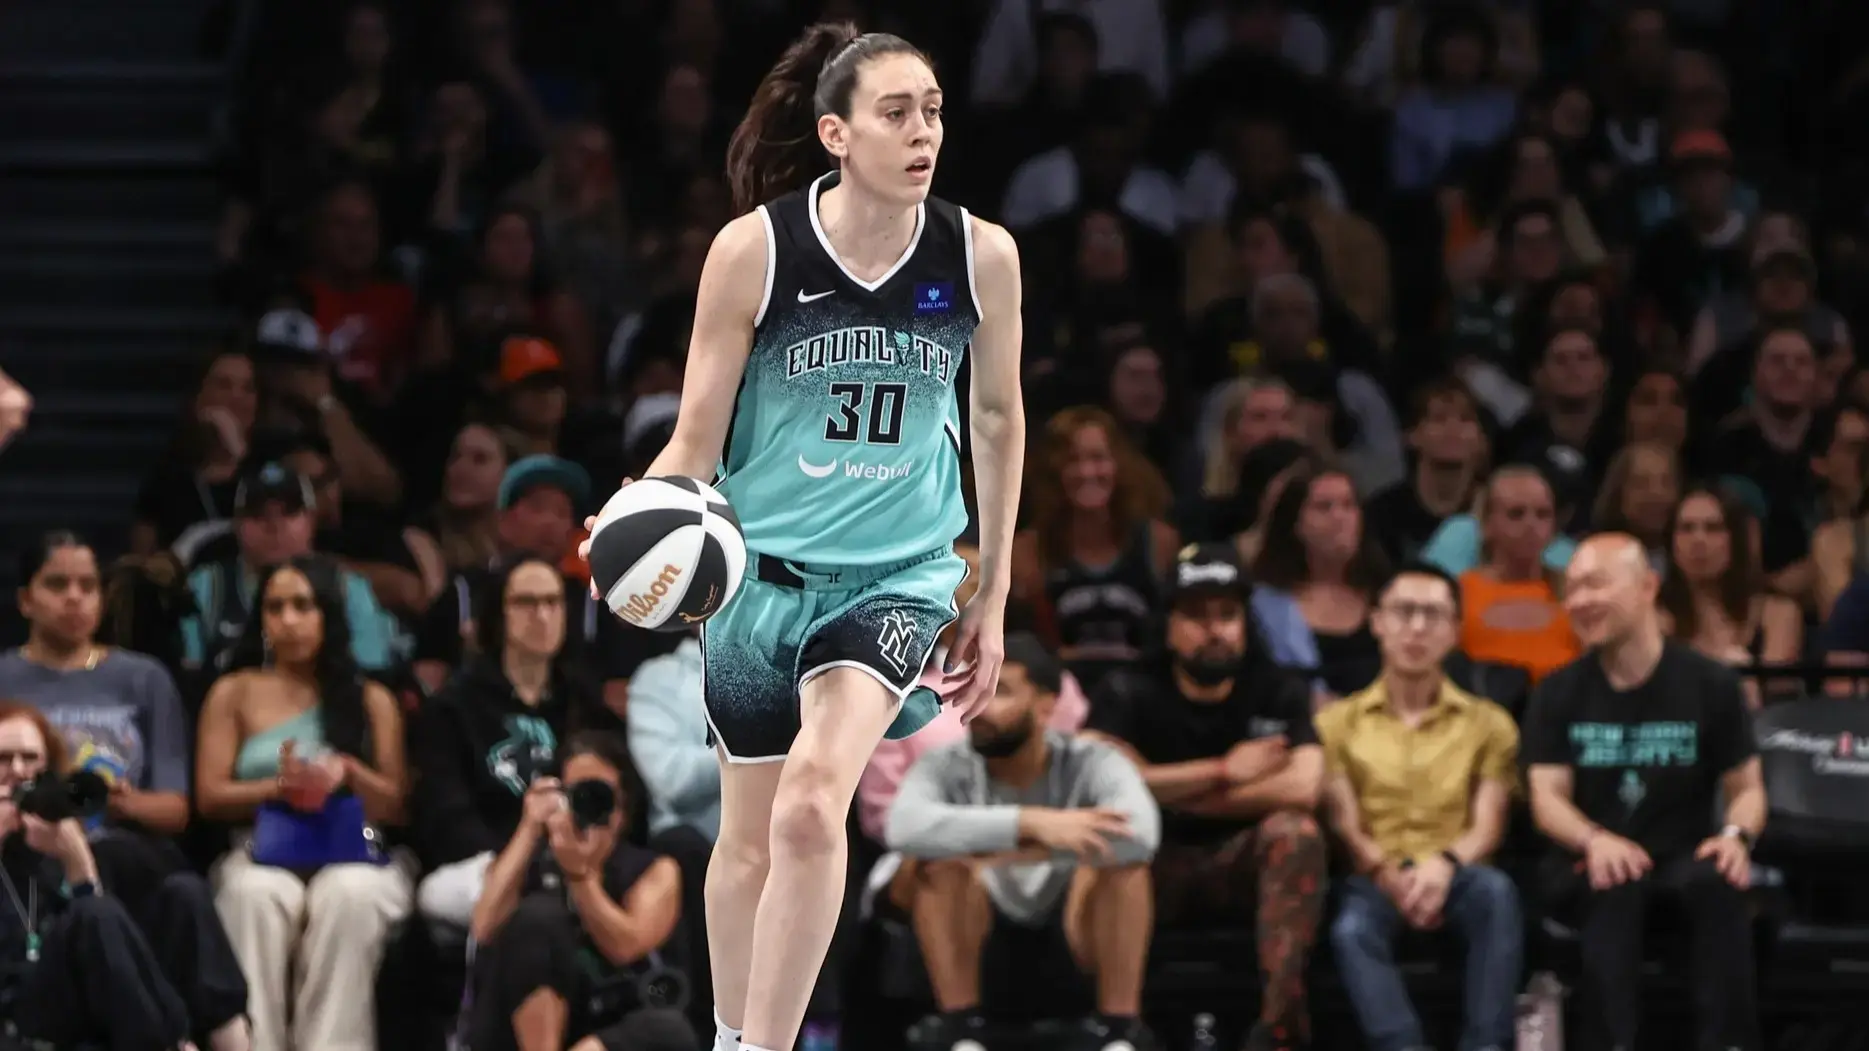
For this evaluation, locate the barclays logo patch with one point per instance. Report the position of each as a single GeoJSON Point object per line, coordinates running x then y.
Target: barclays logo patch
{"type": "Point", "coordinates": [934, 297]}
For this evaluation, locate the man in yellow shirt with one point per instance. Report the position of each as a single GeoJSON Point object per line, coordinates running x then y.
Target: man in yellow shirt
{"type": "Point", "coordinates": [1418, 775]}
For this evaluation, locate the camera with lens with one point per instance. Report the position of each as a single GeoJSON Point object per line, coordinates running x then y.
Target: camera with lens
{"type": "Point", "coordinates": [592, 802]}
{"type": "Point", "coordinates": [51, 797]}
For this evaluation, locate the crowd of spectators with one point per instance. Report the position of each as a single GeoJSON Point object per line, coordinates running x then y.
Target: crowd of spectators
{"type": "Point", "coordinates": [1362, 341]}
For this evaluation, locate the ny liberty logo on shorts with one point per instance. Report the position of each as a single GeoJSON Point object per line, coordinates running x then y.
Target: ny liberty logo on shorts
{"type": "Point", "coordinates": [896, 640]}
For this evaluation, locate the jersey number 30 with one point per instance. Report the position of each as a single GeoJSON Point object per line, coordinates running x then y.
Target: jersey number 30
{"type": "Point", "coordinates": [881, 424]}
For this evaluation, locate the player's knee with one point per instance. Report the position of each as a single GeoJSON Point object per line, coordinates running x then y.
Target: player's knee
{"type": "Point", "coordinates": [806, 819]}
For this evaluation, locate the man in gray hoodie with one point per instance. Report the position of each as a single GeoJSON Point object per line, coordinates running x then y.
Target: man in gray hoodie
{"type": "Point", "coordinates": [1032, 854]}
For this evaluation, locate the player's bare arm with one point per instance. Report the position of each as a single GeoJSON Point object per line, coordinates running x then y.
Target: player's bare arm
{"type": "Point", "coordinates": [997, 404]}
{"type": "Point", "coordinates": [998, 424]}
{"type": "Point", "coordinates": [733, 287]}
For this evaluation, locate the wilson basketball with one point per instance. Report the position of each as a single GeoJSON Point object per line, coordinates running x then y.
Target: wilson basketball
{"type": "Point", "coordinates": [666, 553]}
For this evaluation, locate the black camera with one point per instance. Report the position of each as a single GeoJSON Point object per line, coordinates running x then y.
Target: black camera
{"type": "Point", "coordinates": [49, 797]}
{"type": "Point", "coordinates": [592, 802]}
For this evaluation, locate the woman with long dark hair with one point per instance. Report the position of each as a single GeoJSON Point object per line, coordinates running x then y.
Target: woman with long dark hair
{"type": "Point", "coordinates": [1095, 546]}
{"type": "Point", "coordinates": [831, 323]}
{"type": "Point", "coordinates": [1317, 550]}
{"type": "Point", "coordinates": [1713, 593]}
{"type": "Point", "coordinates": [286, 736]}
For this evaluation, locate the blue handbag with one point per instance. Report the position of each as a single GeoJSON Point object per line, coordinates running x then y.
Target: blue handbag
{"type": "Point", "coordinates": [287, 838]}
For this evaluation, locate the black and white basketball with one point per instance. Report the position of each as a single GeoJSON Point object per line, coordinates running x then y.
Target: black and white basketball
{"type": "Point", "coordinates": [666, 553]}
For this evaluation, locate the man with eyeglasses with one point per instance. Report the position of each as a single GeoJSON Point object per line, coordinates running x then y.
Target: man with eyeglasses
{"type": "Point", "coordinates": [1224, 739]}
{"type": "Point", "coordinates": [1418, 774]}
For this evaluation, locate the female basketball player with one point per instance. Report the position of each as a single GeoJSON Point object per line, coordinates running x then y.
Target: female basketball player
{"type": "Point", "coordinates": [831, 322]}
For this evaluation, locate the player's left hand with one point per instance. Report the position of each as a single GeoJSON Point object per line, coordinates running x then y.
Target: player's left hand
{"type": "Point", "coordinates": [979, 650]}
{"type": "Point", "coordinates": [1730, 857]}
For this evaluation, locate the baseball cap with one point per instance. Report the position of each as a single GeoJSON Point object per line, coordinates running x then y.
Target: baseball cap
{"type": "Point", "coordinates": [650, 414]}
{"type": "Point", "coordinates": [1206, 569]}
{"type": "Point", "coordinates": [528, 357]}
{"type": "Point", "coordinates": [272, 482]}
{"type": "Point", "coordinates": [531, 472]}
{"type": "Point", "coordinates": [288, 333]}
{"type": "Point", "coordinates": [1702, 144]}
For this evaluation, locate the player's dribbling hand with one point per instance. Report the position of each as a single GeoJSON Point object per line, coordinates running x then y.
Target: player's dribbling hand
{"type": "Point", "coordinates": [584, 546]}
{"type": "Point", "coordinates": [979, 650]}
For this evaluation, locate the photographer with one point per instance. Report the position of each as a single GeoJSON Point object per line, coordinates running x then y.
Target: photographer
{"type": "Point", "coordinates": [74, 968]}
{"type": "Point", "coordinates": [571, 920]}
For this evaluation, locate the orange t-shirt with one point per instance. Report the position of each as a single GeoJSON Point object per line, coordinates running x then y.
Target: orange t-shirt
{"type": "Point", "coordinates": [1520, 623]}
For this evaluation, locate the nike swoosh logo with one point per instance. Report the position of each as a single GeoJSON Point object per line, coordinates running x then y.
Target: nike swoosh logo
{"type": "Point", "coordinates": [812, 470]}
{"type": "Point", "coordinates": [803, 298]}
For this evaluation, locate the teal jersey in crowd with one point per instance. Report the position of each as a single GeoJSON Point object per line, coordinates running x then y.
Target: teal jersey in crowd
{"type": "Point", "coordinates": [845, 443]}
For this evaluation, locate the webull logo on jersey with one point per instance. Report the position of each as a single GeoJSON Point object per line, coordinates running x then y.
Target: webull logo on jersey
{"type": "Point", "coordinates": [642, 605]}
{"type": "Point", "coordinates": [869, 472]}
{"type": "Point", "coordinates": [868, 345]}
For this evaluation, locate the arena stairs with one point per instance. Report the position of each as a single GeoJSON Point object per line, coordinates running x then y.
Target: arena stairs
{"type": "Point", "coordinates": [108, 199]}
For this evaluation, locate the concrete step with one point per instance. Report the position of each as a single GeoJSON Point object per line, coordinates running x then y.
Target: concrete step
{"type": "Point", "coordinates": [91, 278]}
{"type": "Point", "coordinates": [108, 101]}
{"type": "Point", "coordinates": [153, 241]}
{"type": "Point", "coordinates": [101, 30]}
{"type": "Point", "coordinates": [53, 446]}
{"type": "Point", "coordinates": [153, 362]}
{"type": "Point", "coordinates": [103, 197]}
{"type": "Point", "coordinates": [60, 156]}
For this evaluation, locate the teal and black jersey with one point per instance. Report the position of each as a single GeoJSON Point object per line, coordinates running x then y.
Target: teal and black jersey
{"type": "Point", "coordinates": [845, 443]}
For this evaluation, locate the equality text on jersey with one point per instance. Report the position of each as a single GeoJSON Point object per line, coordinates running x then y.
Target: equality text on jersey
{"type": "Point", "coordinates": [869, 345]}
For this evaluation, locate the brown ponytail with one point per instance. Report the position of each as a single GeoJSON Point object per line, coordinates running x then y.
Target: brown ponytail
{"type": "Point", "coordinates": [775, 150]}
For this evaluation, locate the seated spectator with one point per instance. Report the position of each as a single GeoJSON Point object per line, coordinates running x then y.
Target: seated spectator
{"type": "Point", "coordinates": [1569, 431]}
{"type": "Point", "coordinates": [571, 917]}
{"type": "Point", "coordinates": [1456, 107]}
{"type": "Point", "coordinates": [1343, 413]}
{"type": "Point", "coordinates": [118, 712]}
{"type": "Point", "coordinates": [1640, 491]}
{"type": "Point", "coordinates": [1770, 443]}
{"type": "Point", "coordinates": [1420, 833]}
{"type": "Point", "coordinates": [1316, 550]}
{"type": "Point", "coordinates": [493, 730]}
{"type": "Point", "coordinates": [195, 480]}
{"type": "Point", "coordinates": [892, 760]}
{"type": "Point", "coordinates": [1241, 415]}
{"type": "Point", "coordinates": [1655, 413]}
{"type": "Point", "coordinates": [118, 716]}
{"type": "Point", "coordinates": [1846, 635]}
{"type": "Point", "coordinates": [1031, 851]}
{"type": "Point", "coordinates": [506, 285]}
{"type": "Point", "coordinates": [1713, 595]}
{"type": "Point", "coordinates": [1096, 545]}
{"type": "Point", "coordinates": [88, 977]}
{"type": "Point", "coordinates": [1840, 540]}
{"type": "Point", "coordinates": [366, 316]}
{"type": "Point", "coordinates": [1510, 610]}
{"type": "Point", "coordinates": [1449, 449]}
{"type": "Point", "coordinates": [290, 733]}
{"type": "Point", "coordinates": [1225, 742]}
{"type": "Point", "coordinates": [538, 500]}
{"type": "Point", "coordinates": [1627, 751]}
{"type": "Point", "coordinates": [363, 538]}
{"type": "Point", "coordinates": [463, 526]}
{"type": "Point", "coordinates": [273, 524]}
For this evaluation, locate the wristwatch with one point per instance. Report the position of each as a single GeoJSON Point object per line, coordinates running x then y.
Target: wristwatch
{"type": "Point", "coordinates": [1452, 859]}
{"type": "Point", "coordinates": [1740, 834]}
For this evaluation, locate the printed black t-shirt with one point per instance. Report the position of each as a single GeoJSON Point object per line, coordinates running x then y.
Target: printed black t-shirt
{"type": "Point", "coordinates": [1647, 761]}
